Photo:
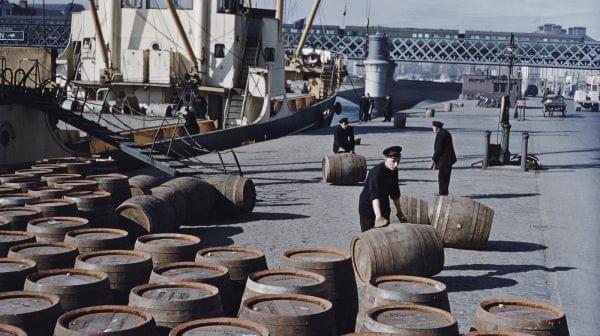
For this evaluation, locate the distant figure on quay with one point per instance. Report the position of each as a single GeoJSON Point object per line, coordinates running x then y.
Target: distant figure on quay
{"type": "Point", "coordinates": [343, 137]}
{"type": "Point", "coordinates": [443, 156]}
{"type": "Point", "coordinates": [387, 115]}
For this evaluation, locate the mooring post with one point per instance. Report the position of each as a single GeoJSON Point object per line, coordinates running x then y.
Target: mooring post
{"type": "Point", "coordinates": [524, 151]}
{"type": "Point", "coordinates": [486, 150]}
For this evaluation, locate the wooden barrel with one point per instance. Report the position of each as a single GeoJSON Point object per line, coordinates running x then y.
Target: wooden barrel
{"type": "Point", "coordinates": [54, 168]}
{"type": "Point", "coordinates": [17, 200]}
{"type": "Point", "coordinates": [178, 302]}
{"type": "Point", "coordinates": [220, 326]}
{"type": "Point", "coordinates": [13, 273]}
{"type": "Point", "coordinates": [145, 214]}
{"type": "Point", "coordinates": [336, 267]}
{"type": "Point", "coordinates": [141, 184]}
{"type": "Point", "coordinates": [497, 333]}
{"type": "Point", "coordinates": [106, 321]}
{"type": "Point", "coordinates": [212, 274]}
{"type": "Point", "coordinates": [241, 261]}
{"type": "Point", "coordinates": [399, 120]}
{"type": "Point", "coordinates": [45, 193]}
{"type": "Point", "coordinates": [344, 168]}
{"type": "Point", "coordinates": [236, 194]}
{"type": "Point", "coordinates": [410, 320]}
{"type": "Point", "coordinates": [104, 166]}
{"type": "Point", "coordinates": [36, 172]}
{"type": "Point", "coordinates": [26, 184]}
{"type": "Point", "coordinates": [9, 190]}
{"type": "Point", "coordinates": [55, 207]}
{"type": "Point", "coordinates": [521, 315]}
{"type": "Point", "coordinates": [53, 229]}
{"type": "Point", "coordinates": [290, 314]}
{"type": "Point", "coordinates": [116, 184]}
{"type": "Point", "coordinates": [461, 222]}
{"type": "Point", "coordinates": [429, 112]}
{"type": "Point", "coordinates": [285, 281]}
{"type": "Point", "coordinates": [46, 255]}
{"type": "Point", "coordinates": [77, 185]}
{"type": "Point", "coordinates": [18, 217]}
{"type": "Point", "coordinates": [11, 238]}
{"type": "Point", "coordinates": [402, 289]}
{"type": "Point", "coordinates": [81, 168]}
{"type": "Point", "coordinates": [35, 313]}
{"type": "Point", "coordinates": [414, 209]}
{"type": "Point", "coordinates": [59, 160]}
{"type": "Point", "coordinates": [447, 107]}
{"type": "Point", "coordinates": [125, 269]}
{"type": "Point", "coordinates": [165, 248]}
{"type": "Point", "coordinates": [76, 288]}
{"type": "Point", "coordinates": [98, 239]}
{"type": "Point", "coordinates": [95, 206]}
{"type": "Point", "coordinates": [400, 249]}
{"type": "Point", "coordinates": [8, 330]}
{"type": "Point", "coordinates": [53, 178]}
{"type": "Point", "coordinates": [199, 198]}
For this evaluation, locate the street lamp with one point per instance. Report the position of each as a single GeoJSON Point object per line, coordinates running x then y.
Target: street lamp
{"type": "Point", "coordinates": [505, 124]}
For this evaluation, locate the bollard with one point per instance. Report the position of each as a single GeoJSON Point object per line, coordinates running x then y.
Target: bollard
{"type": "Point", "coordinates": [505, 153]}
{"type": "Point", "coordinates": [486, 151]}
{"type": "Point", "coordinates": [524, 151]}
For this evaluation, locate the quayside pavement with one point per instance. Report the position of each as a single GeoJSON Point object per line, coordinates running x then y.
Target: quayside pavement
{"type": "Point", "coordinates": [544, 239]}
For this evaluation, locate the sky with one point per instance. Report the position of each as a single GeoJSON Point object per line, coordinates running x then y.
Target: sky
{"type": "Point", "coordinates": [496, 15]}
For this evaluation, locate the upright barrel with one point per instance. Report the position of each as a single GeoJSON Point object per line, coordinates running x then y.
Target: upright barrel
{"type": "Point", "coordinates": [45, 193]}
{"type": "Point", "coordinates": [4, 189]}
{"type": "Point", "coordinates": [115, 184]}
{"type": "Point", "coordinates": [178, 302]}
{"type": "Point", "coordinates": [76, 288]}
{"type": "Point", "coordinates": [461, 222]}
{"type": "Point", "coordinates": [410, 320]}
{"type": "Point", "coordinates": [98, 239]}
{"type": "Point", "coordinates": [521, 315]}
{"type": "Point", "coordinates": [145, 214]}
{"type": "Point", "coordinates": [403, 249]}
{"type": "Point", "coordinates": [53, 229]}
{"type": "Point", "coordinates": [26, 183]}
{"type": "Point", "coordinates": [141, 184]}
{"type": "Point", "coordinates": [399, 120]}
{"type": "Point", "coordinates": [125, 269]}
{"type": "Point", "coordinates": [13, 273]}
{"type": "Point", "coordinates": [77, 185]}
{"type": "Point", "coordinates": [17, 200]}
{"type": "Point", "coordinates": [241, 261]}
{"type": "Point", "coordinates": [52, 167]}
{"type": "Point", "coordinates": [167, 248]}
{"type": "Point", "coordinates": [336, 267]}
{"type": "Point", "coordinates": [56, 207]}
{"type": "Point", "coordinates": [415, 210]}
{"type": "Point", "coordinates": [285, 281]}
{"type": "Point", "coordinates": [104, 166]}
{"type": "Point", "coordinates": [36, 172]}
{"type": "Point", "coordinates": [290, 314]}
{"type": "Point", "coordinates": [8, 330]}
{"type": "Point", "coordinates": [82, 168]}
{"type": "Point", "coordinates": [35, 313]}
{"type": "Point", "coordinates": [18, 217]}
{"type": "Point", "coordinates": [402, 289]}
{"type": "Point", "coordinates": [46, 255]}
{"type": "Point", "coordinates": [236, 194]}
{"type": "Point", "coordinates": [344, 168]}
{"type": "Point", "coordinates": [9, 238]}
{"type": "Point", "coordinates": [54, 178]}
{"type": "Point", "coordinates": [220, 326]}
{"type": "Point", "coordinates": [106, 321]}
{"type": "Point", "coordinates": [95, 206]}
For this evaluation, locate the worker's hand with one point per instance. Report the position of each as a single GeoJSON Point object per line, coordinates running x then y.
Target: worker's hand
{"type": "Point", "coordinates": [402, 218]}
{"type": "Point", "coordinates": [433, 165]}
{"type": "Point", "coordinates": [381, 221]}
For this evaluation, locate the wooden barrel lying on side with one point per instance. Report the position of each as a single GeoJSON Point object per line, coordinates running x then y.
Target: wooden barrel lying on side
{"type": "Point", "coordinates": [115, 184]}
{"type": "Point", "coordinates": [521, 315]}
{"type": "Point", "coordinates": [344, 168]}
{"type": "Point", "coordinates": [196, 197]}
{"type": "Point", "coordinates": [125, 269]}
{"type": "Point", "coordinates": [35, 313]}
{"type": "Point", "coordinates": [180, 202]}
{"type": "Point", "coordinates": [402, 289]}
{"type": "Point", "coordinates": [212, 274]}
{"type": "Point", "coordinates": [53, 167]}
{"type": "Point", "coordinates": [18, 217]}
{"type": "Point", "coordinates": [236, 194]}
{"type": "Point", "coordinates": [17, 200]}
{"type": "Point", "coordinates": [290, 314]}
{"type": "Point", "coordinates": [54, 178]}
{"type": "Point", "coordinates": [461, 222]}
{"type": "Point", "coordinates": [13, 273]}
{"type": "Point", "coordinates": [95, 206]}
{"type": "Point", "coordinates": [403, 249]}
{"type": "Point", "coordinates": [410, 320]}
{"type": "Point", "coordinates": [36, 172]}
{"type": "Point", "coordinates": [145, 214]}
{"type": "Point", "coordinates": [414, 209]}
{"type": "Point", "coordinates": [285, 281]}
{"type": "Point", "coordinates": [336, 267]}
{"type": "Point", "coordinates": [46, 255]}
{"type": "Point", "coordinates": [141, 184]}
{"type": "Point", "coordinates": [220, 326]}
{"type": "Point", "coordinates": [9, 238]}
{"type": "Point", "coordinates": [106, 320]}
{"type": "Point", "coordinates": [98, 239]}
{"type": "Point", "coordinates": [399, 120]}
{"type": "Point", "coordinates": [76, 288]}
{"type": "Point", "coordinates": [53, 229]}
{"type": "Point", "coordinates": [241, 261]}
{"type": "Point", "coordinates": [165, 248]}
{"type": "Point", "coordinates": [45, 193]}
{"type": "Point", "coordinates": [8, 330]}
{"type": "Point", "coordinates": [56, 207]}
{"type": "Point", "coordinates": [175, 303]}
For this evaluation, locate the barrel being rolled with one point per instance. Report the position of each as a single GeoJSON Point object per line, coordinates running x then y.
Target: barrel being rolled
{"type": "Point", "coordinates": [35, 313]}
{"type": "Point", "coordinates": [344, 168]}
{"type": "Point", "coordinates": [410, 320]}
{"type": "Point", "coordinates": [145, 214]}
{"type": "Point", "coordinates": [399, 249]}
{"type": "Point", "coordinates": [521, 315]}
{"type": "Point", "coordinates": [414, 209]}
{"type": "Point", "coordinates": [106, 321]}
{"type": "Point", "coordinates": [220, 326]}
{"type": "Point", "coordinates": [461, 222]}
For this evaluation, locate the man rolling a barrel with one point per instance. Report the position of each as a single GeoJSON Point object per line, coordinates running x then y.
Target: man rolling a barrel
{"type": "Point", "coordinates": [343, 137]}
{"type": "Point", "coordinates": [443, 156]}
{"type": "Point", "coordinates": [381, 185]}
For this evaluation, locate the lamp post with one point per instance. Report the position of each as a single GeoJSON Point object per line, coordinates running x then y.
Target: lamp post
{"type": "Point", "coordinates": [505, 124]}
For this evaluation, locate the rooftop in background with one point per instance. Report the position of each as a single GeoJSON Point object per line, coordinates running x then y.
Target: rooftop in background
{"type": "Point", "coordinates": [8, 8]}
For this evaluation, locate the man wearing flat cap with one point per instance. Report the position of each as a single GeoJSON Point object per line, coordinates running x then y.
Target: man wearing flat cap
{"type": "Point", "coordinates": [381, 185]}
{"type": "Point", "coordinates": [443, 156]}
{"type": "Point", "coordinates": [343, 137]}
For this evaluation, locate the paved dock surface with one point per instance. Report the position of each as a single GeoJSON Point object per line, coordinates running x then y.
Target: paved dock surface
{"type": "Point", "coordinates": [544, 240]}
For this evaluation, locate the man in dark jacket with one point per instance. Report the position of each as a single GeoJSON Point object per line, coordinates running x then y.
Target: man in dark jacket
{"type": "Point", "coordinates": [381, 185]}
{"type": "Point", "coordinates": [343, 137]}
{"type": "Point", "coordinates": [388, 109]}
{"type": "Point", "coordinates": [443, 156]}
{"type": "Point", "coordinates": [363, 108]}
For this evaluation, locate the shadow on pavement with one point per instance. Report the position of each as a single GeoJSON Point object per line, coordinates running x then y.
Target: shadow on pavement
{"type": "Point", "coordinates": [513, 246]}
{"type": "Point", "coordinates": [510, 195]}
{"type": "Point", "coordinates": [212, 236]}
{"type": "Point", "coordinates": [473, 283]}
{"type": "Point", "coordinates": [498, 270]}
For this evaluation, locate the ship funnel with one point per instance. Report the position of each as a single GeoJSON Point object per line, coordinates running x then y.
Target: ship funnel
{"type": "Point", "coordinates": [379, 70]}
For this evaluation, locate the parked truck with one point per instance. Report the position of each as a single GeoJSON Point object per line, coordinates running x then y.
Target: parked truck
{"type": "Point", "coordinates": [587, 96]}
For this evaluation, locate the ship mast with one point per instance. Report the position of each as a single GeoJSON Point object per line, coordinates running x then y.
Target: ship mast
{"type": "Point", "coordinates": [186, 41]}
{"type": "Point", "coordinates": [101, 41]}
{"type": "Point", "coordinates": [311, 18]}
